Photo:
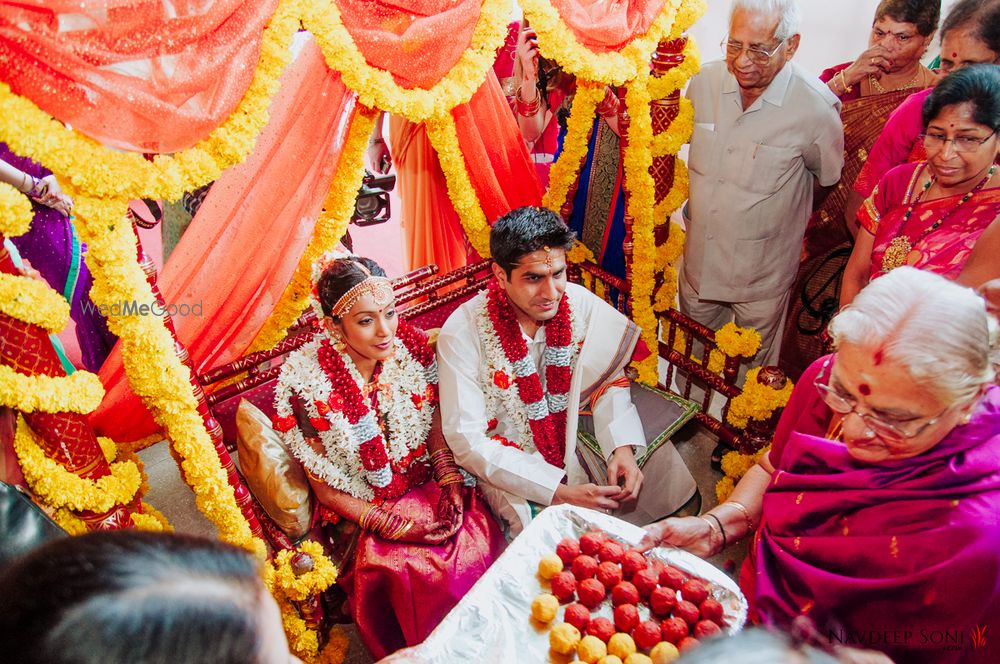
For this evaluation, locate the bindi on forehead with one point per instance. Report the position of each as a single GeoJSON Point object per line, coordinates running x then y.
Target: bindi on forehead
{"type": "Point", "coordinates": [864, 390]}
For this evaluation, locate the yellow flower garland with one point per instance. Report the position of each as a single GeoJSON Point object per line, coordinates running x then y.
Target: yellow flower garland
{"type": "Point", "coordinates": [80, 392]}
{"type": "Point", "coordinates": [640, 199]}
{"type": "Point", "coordinates": [675, 79]}
{"type": "Point", "coordinates": [757, 401]}
{"type": "Point", "coordinates": [298, 588]}
{"type": "Point", "coordinates": [737, 341]}
{"type": "Point", "coordinates": [58, 487]}
{"type": "Point", "coordinates": [669, 141]}
{"type": "Point", "coordinates": [153, 368]}
{"type": "Point", "coordinates": [377, 88]}
{"type": "Point", "coordinates": [566, 169]}
{"type": "Point", "coordinates": [557, 42]}
{"type": "Point", "coordinates": [329, 229]}
{"type": "Point", "coordinates": [33, 301]}
{"type": "Point", "coordinates": [734, 466]}
{"type": "Point", "coordinates": [84, 165]}
{"type": "Point", "coordinates": [444, 139]}
{"type": "Point", "coordinates": [15, 212]}
{"type": "Point", "coordinates": [688, 13]}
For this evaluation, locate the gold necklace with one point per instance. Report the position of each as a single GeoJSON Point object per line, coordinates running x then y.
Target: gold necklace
{"type": "Point", "coordinates": [872, 81]}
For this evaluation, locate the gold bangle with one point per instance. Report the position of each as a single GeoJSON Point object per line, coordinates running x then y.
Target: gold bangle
{"type": "Point", "coordinates": [843, 82]}
{"type": "Point", "coordinates": [746, 513]}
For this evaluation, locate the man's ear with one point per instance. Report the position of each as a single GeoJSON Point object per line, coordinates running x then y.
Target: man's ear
{"type": "Point", "coordinates": [793, 45]}
{"type": "Point", "coordinates": [500, 274]}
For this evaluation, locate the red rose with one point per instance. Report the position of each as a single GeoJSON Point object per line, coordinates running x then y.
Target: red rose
{"type": "Point", "coordinates": [492, 424]}
{"type": "Point", "coordinates": [336, 401]}
{"type": "Point", "coordinates": [319, 424]}
{"type": "Point", "coordinates": [283, 424]}
{"type": "Point", "coordinates": [417, 400]}
{"type": "Point", "coordinates": [501, 380]}
{"type": "Point", "coordinates": [322, 408]}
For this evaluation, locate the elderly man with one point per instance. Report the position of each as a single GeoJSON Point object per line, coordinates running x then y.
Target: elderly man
{"type": "Point", "coordinates": [766, 135]}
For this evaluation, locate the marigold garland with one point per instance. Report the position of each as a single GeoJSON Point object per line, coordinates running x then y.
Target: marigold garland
{"type": "Point", "coordinates": [640, 200]}
{"type": "Point", "coordinates": [566, 169]}
{"type": "Point", "coordinates": [377, 88]}
{"type": "Point", "coordinates": [15, 212]}
{"type": "Point", "coordinates": [756, 401]}
{"type": "Point", "coordinates": [687, 14]}
{"type": "Point", "coordinates": [670, 140]}
{"type": "Point", "coordinates": [734, 466]}
{"type": "Point", "coordinates": [81, 392]}
{"type": "Point", "coordinates": [58, 487]}
{"type": "Point", "coordinates": [84, 165]}
{"type": "Point", "coordinates": [330, 228]}
{"type": "Point", "coordinates": [32, 301]}
{"type": "Point", "coordinates": [557, 42]}
{"type": "Point", "coordinates": [153, 368]}
{"type": "Point", "coordinates": [737, 341]}
{"type": "Point", "coordinates": [298, 588]}
{"type": "Point", "coordinates": [444, 138]}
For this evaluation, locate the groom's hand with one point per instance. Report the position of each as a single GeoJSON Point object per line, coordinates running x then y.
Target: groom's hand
{"type": "Point", "coordinates": [594, 496]}
{"type": "Point", "coordinates": [624, 472]}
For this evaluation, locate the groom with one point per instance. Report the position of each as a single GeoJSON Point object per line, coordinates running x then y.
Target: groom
{"type": "Point", "coordinates": [521, 361]}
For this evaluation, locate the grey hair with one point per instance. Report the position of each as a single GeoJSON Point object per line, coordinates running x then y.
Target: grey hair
{"type": "Point", "coordinates": [787, 12]}
{"type": "Point", "coordinates": [936, 330]}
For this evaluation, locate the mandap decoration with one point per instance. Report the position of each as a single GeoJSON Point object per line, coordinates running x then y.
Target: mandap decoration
{"type": "Point", "coordinates": [57, 82]}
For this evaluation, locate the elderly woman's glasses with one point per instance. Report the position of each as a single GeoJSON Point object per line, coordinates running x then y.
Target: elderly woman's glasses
{"type": "Point", "coordinates": [757, 55]}
{"type": "Point", "coordinates": [845, 405]}
{"type": "Point", "coordinates": [936, 142]}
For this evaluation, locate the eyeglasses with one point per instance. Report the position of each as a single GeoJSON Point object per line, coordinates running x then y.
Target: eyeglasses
{"type": "Point", "coordinates": [935, 142]}
{"type": "Point", "coordinates": [900, 38]}
{"type": "Point", "coordinates": [757, 55]}
{"type": "Point", "coordinates": [845, 405]}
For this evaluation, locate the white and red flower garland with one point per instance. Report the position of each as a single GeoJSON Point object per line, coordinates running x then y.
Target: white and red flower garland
{"type": "Point", "coordinates": [507, 354]}
{"type": "Point", "coordinates": [360, 458]}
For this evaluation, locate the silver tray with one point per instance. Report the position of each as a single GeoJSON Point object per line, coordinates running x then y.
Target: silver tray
{"type": "Point", "coordinates": [492, 622]}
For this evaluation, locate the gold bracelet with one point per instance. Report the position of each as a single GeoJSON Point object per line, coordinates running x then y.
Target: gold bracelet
{"type": "Point", "coordinates": [746, 513]}
{"type": "Point", "coordinates": [843, 82]}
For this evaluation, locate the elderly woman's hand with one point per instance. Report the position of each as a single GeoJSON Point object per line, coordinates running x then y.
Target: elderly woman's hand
{"type": "Point", "coordinates": [691, 533]}
{"type": "Point", "coordinates": [873, 61]}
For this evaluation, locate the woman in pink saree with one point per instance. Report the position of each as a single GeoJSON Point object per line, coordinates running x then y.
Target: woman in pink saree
{"type": "Point", "coordinates": [357, 406]}
{"type": "Point", "coordinates": [939, 214]}
{"type": "Point", "coordinates": [878, 504]}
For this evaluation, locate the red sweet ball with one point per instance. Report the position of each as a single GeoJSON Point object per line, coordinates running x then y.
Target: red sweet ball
{"type": "Point", "coordinates": [563, 586]}
{"type": "Point", "coordinates": [610, 574]}
{"type": "Point", "coordinates": [567, 550]}
{"type": "Point", "coordinates": [626, 617]}
{"type": "Point", "coordinates": [602, 628]}
{"type": "Point", "coordinates": [611, 551]}
{"type": "Point", "coordinates": [645, 580]}
{"type": "Point", "coordinates": [694, 591]}
{"type": "Point", "coordinates": [687, 643]}
{"type": "Point", "coordinates": [706, 628]}
{"type": "Point", "coordinates": [590, 543]}
{"type": "Point", "coordinates": [577, 615]}
{"type": "Point", "coordinates": [584, 567]}
{"type": "Point", "coordinates": [712, 610]}
{"type": "Point", "coordinates": [646, 634]}
{"type": "Point", "coordinates": [632, 562]}
{"type": "Point", "coordinates": [673, 630]}
{"type": "Point", "coordinates": [662, 600]}
{"type": "Point", "coordinates": [671, 577]}
{"type": "Point", "coordinates": [591, 592]}
{"type": "Point", "coordinates": [686, 611]}
{"type": "Point", "coordinates": [625, 593]}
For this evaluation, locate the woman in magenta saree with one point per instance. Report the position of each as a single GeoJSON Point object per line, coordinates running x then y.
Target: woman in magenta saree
{"type": "Point", "coordinates": [877, 508]}
{"type": "Point", "coordinates": [357, 406]}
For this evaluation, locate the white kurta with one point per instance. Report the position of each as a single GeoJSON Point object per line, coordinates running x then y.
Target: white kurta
{"type": "Point", "coordinates": [510, 477]}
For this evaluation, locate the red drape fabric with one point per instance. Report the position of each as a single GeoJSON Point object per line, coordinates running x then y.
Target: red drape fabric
{"type": "Point", "coordinates": [241, 249]}
{"type": "Point", "coordinates": [608, 25]}
{"type": "Point", "coordinates": [146, 75]}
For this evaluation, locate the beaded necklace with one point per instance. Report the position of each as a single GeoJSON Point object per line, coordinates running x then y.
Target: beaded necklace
{"type": "Point", "coordinates": [898, 251]}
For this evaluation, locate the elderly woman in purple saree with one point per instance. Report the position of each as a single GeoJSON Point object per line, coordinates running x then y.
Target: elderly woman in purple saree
{"type": "Point", "coordinates": [877, 509]}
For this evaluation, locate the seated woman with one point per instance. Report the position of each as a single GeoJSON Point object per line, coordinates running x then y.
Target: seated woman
{"type": "Point", "coordinates": [878, 503]}
{"type": "Point", "coordinates": [357, 406]}
{"type": "Point", "coordinates": [940, 214]}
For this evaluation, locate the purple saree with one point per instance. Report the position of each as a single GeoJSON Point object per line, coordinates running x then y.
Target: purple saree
{"type": "Point", "coordinates": [903, 556]}
{"type": "Point", "coordinates": [53, 248]}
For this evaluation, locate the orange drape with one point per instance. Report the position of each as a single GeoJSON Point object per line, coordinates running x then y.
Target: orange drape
{"type": "Point", "coordinates": [498, 163]}
{"type": "Point", "coordinates": [608, 25]}
{"type": "Point", "coordinates": [417, 41]}
{"type": "Point", "coordinates": [239, 252]}
{"type": "Point", "coordinates": [146, 75]}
